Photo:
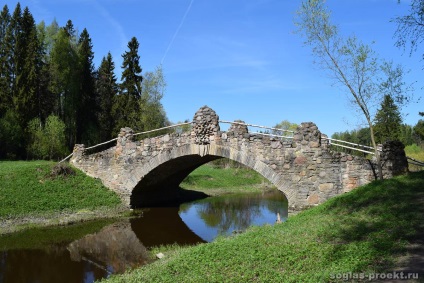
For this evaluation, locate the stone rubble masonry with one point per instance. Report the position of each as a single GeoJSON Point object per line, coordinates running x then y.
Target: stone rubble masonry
{"type": "Point", "coordinates": [304, 168]}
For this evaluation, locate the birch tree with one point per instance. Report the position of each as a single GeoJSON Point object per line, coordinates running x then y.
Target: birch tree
{"type": "Point", "coordinates": [349, 62]}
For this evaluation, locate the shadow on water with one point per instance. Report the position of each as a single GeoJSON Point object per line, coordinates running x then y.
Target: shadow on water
{"type": "Point", "coordinates": [65, 255]}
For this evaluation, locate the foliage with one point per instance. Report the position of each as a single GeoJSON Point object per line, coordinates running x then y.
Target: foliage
{"type": "Point", "coordinates": [48, 141]}
{"type": "Point", "coordinates": [107, 89]}
{"type": "Point", "coordinates": [349, 62]}
{"type": "Point", "coordinates": [419, 131]}
{"type": "Point", "coordinates": [285, 126]}
{"type": "Point", "coordinates": [387, 121]}
{"type": "Point", "coordinates": [48, 70]}
{"type": "Point", "coordinates": [365, 230]}
{"type": "Point", "coordinates": [410, 29]}
{"type": "Point", "coordinates": [126, 106]}
{"type": "Point", "coordinates": [27, 189]}
{"type": "Point", "coordinates": [152, 114]}
{"type": "Point", "coordinates": [11, 136]}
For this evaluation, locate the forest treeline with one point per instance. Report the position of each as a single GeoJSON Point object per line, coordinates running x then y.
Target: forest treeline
{"type": "Point", "coordinates": [388, 125]}
{"type": "Point", "coordinates": [52, 96]}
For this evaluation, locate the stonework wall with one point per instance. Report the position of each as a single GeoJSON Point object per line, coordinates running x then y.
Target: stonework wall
{"type": "Point", "coordinates": [304, 168]}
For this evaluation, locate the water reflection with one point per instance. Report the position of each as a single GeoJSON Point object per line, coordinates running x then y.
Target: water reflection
{"type": "Point", "coordinates": [125, 244]}
{"type": "Point", "coordinates": [224, 215]}
{"type": "Point", "coordinates": [113, 249]}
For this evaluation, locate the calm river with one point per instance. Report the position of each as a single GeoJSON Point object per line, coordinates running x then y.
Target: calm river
{"type": "Point", "coordinates": [48, 255]}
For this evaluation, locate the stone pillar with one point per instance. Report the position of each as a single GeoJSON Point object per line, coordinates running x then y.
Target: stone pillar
{"type": "Point", "coordinates": [238, 130]}
{"type": "Point", "coordinates": [205, 126]}
{"type": "Point", "coordinates": [78, 153]}
{"type": "Point", "coordinates": [393, 159]}
{"type": "Point", "coordinates": [124, 136]}
{"type": "Point", "coordinates": [307, 135]}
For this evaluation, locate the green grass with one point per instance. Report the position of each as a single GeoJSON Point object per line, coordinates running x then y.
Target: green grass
{"type": "Point", "coordinates": [27, 190]}
{"type": "Point", "coordinates": [365, 230]}
{"type": "Point", "coordinates": [417, 153]}
{"type": "Point", "coordinates": [217, 181]}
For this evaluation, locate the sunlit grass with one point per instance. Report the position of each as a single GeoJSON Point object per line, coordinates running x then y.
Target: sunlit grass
{"type": "Point", "coordinates": [26, 189]}
{"type": "Point", "coordinates": [361, 231]}
{"type": "Point", "coordinates": [213, 181]}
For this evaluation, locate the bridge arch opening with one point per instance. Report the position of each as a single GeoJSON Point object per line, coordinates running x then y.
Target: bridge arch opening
{"type": "Point", "coordinates": [159, 182]}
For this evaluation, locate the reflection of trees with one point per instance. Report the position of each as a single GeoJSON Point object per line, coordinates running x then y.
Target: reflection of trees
{"type": "Point", "coordinates": [238, 212]}
{"type": "Point", "coordinates": [115, 245]}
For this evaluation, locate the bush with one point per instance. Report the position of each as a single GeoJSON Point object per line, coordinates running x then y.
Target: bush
{"type": "Point", "coordinates": [48, 141]}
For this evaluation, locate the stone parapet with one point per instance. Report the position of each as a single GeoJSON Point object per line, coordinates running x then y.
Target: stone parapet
{"type": "Point", "coordinates": [304, 169]}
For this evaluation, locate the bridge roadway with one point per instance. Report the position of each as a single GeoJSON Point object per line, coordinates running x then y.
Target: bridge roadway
{"type": "Point", "coordinates": [147, 172]}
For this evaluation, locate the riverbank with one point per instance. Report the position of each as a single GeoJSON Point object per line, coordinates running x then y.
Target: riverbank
{"type": "Point", "coordinates": [32, 195]}
{"type": "Point", "coordinates": [367, 231]}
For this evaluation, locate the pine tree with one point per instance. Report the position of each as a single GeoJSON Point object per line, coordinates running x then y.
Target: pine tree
{"type": "Point", "coordinates": [87, 126]}
{"type": "Point", "coordinates": [388, 120]}
{"type": "Point", "coordinates": [5, 91]}
{"type": "Point", "coordinates": [28, 66]}
{"type": "Point", "coordinates": [126, 108]}
{"type": "Point", "coordinates": [107, 90]}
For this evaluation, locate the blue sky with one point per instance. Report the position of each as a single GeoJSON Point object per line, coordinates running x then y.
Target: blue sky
{"type": "Point", "coordinates": [240, 57]}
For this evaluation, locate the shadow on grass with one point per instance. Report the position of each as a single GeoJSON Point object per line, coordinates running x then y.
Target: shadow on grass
{"type": "Point", "coordinates": [382, 217]}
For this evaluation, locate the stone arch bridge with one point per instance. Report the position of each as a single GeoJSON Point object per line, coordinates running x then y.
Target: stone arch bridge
{"type": "Point", "coordinates": [146, 172]}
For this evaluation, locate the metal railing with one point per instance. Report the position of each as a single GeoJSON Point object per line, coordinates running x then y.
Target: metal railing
{"type": "Point", "coordinates": [262, 127]}
{"type": "Point", "coordinates": [336, 142]}
{"type": "Point", "coordinates": [415, 161]}
{"type": "Point", "coordinates": [331, 141]}
{"type": "Point", "coordinates": [136, 134]}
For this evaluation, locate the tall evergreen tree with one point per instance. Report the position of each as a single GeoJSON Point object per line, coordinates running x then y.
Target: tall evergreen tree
{"type": "Point", "coordinates": [28, 66]}
{"type": "Point", "coordinates": [126, 108]}
{"type": "Point", "coordinates": [87, 126]}
{"type": "Point", "coordinates": [46, 99]}
{"type": "Point", "coordinates": [5, 91]}
{"type": "Point", "coordinates": [12, 35]}
{"type": "Point", "coordinates": [388, 120]}
{"type": "Point", "coordinates": [107, 90]}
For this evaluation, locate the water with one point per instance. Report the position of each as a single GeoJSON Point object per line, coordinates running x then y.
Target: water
{"type": "Point", "coordinates": [70, 254]}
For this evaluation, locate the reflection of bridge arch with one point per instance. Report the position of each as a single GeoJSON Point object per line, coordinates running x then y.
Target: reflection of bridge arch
{"type": "Point", "coordinates": [164, 172]}
{"type": "Point", "coordinates": [145, 172]}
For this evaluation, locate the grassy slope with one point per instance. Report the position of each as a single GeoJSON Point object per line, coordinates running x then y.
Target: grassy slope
{"type": "Point", "coordinates": [26, 190]}
{"type": "Point", "coordinates": [361, 231]}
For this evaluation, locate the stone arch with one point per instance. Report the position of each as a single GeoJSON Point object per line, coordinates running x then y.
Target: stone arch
{"type": "Point", "coordinates": [155, 181]}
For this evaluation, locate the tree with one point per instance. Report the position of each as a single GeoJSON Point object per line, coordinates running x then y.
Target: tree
{"type": "Point", "coordinates": [87, 125]}
{"type": "Point", "coordinates": [107, 89]}
{"type": "Point", "coordinates": [410, 29]}
{"type": "Point", "coordinates": [5, 90]}
{"type": "Point", "coordinates": [64, 82]}
{"type": "Point", "coordinates": [419, 131]}
{"type": "Point", "coordinates": [388, 121]}
{"type": "Point", "coordinates": [126, 107]}
{"type": "Point", "coordinates": [152, 114]}
{"type": "Point", "coordinates": [11, 136]}
{"type": "Point", "coordinates": [350, 63]}
{"type": "Point", "coordinates": [285, 126]}
{"type": "Point", "coordinates": [27, 65]}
